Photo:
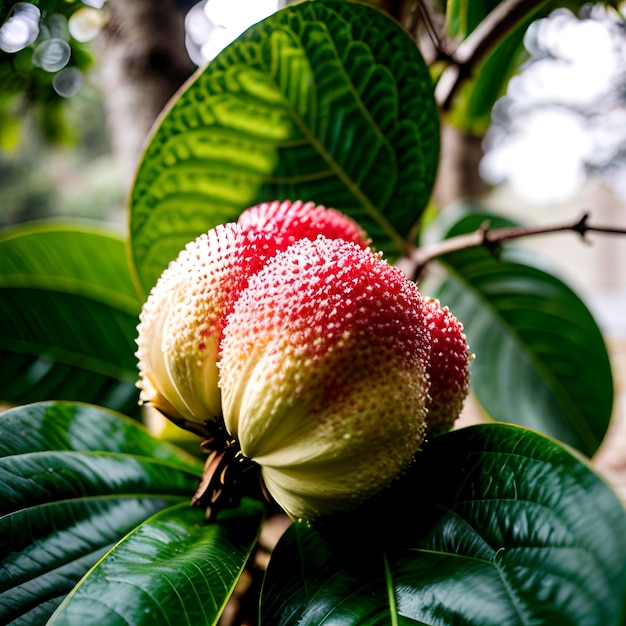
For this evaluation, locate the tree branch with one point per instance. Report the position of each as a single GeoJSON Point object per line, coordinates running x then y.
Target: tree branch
{"type": "Point", "coordinates": [434, 34]}
{"type": "Point", "coordinates": [472, 50]}
{"type": "Point", "coordinates": [492, 238]}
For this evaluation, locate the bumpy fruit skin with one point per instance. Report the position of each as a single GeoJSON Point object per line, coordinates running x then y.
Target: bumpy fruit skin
{"type": "Point", "coordinates": [323, 375]}
{"type": "Point", "coordinates": [298, 220]}
{"type": "Point", "coordinates": [327, 365]}
{"type": "Point", "coordinates": [182, 321]}
{"type": "Point", "coordinates": [448, 367]}
{"type": "Point", "coordinates": [180, 327]}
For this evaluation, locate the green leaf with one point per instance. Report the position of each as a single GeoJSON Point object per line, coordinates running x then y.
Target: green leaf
{"type": "Point", "coordinates": [541, 359]}
{"type": "Point", "coordinates": [471, 110]}
{"type": "Point", "coordinates": [462, 17]}
{"type": "Point", "coordinates": [74, 480]}
{"type": "Point", "coordinates": [472, 106]}
{"type": "Point", "coordinates": [65, 426]}
{"type": "Point", "coordinates": [69, 311]}
{"type": "Point", "coordinates": [495, 525]}
{"type": "Point", "coordinates": [174, 568]}
{"type": "Point", "coordinates": [323, 101]}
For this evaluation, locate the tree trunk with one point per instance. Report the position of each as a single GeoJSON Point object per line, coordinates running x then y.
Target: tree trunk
{"type": "Point", "coordinates": [143, 61]}
{"type": "Point", "coordinates": [458, 178]}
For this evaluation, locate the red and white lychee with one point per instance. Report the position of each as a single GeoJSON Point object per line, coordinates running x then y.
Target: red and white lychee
{"type": "Point", "coordinates": [324, 363]}
{"type": "Point", "coordinates": [323, 375]}
{"type": "Point", "coordinates": [182, 321]}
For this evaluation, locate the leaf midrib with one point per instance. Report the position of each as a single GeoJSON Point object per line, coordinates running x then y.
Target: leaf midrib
{"type": "Point", "coordinates": [393, 608]}
{"type": "Point", "coordinates": [354, 189]}
{"type": "Point", "coordinates": [126, 495]}
{"type": "Point", "coordinates": [70, 358]}
{"type": "Point", "coordinates": [79, 288]}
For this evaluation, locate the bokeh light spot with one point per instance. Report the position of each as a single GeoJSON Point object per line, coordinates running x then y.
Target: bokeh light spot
{"type": "Point", "coordinates": [86, 23]}
{"type": "Point", "coordinates": [96, 4]}
{"type": "Point", "coordinates": [52, 54]}
{"type": "Point", "coordinates": [68, 81]}
{"type": "Point", "coordinates": [211, 26]}
{"type": "Point", "coordinates": [562, 122]}
{"type": "Point", "coordinates": [21, 29]}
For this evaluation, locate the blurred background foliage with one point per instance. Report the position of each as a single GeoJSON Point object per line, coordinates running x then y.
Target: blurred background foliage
{"type": "Point", "coordinates": [557, 126]}
{"type": "Point", "coordinates": [73, 178]}
{"type": "Point", "coordinates": [44, 56]}
{"type": "Point", "coordinates": [55, 152]}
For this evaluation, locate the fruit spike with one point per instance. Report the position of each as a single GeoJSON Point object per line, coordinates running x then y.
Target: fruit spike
{"type": "Point", "coordinates": [182, 321]}
{"type": "Point", "coordinates": [323, 375]}
{"type": "Point", "coordinates": [447, 368]}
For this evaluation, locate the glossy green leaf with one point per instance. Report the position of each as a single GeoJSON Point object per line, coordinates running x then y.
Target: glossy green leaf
{"type": "Point", "coordinates": [173, 569]}
{"type": "Point", "coordinates": [323, 101]}
{"type": "Point", "coordinates": [65, 426]}
{"type": "Point", "coordinates": [541, 360]}
{"type": "Point", "coordinates": [495, 525]}
{"type": "Point", "coordinates": [69, 311]}
{"type": "Point", "coordinates": [74, 479]}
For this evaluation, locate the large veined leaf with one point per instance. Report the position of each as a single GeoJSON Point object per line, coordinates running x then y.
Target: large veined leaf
{"type": "Point", "coordinates": [494, 526]}
{"type": "Point", "coordinates": [69, 315]}
{"type": "Point", "coordinates": [74, 479]}
{"type": "Point", "coordinates": [324, 101]}
{"type": "Point", "coordinates": [541, 360]}
{"type": "Point", "coordinates": [175, 568]}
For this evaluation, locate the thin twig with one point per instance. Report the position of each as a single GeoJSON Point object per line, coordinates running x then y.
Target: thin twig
{"type": "Point", "coordinates": [437, 39]}
{"type": "Point", "coordinates": [472, 50]}
{"type": "Point", "coordinates": [491, 238]}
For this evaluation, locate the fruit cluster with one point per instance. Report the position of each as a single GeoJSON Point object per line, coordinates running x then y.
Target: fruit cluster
{"type": "Point", "coordinates": [325, 363]}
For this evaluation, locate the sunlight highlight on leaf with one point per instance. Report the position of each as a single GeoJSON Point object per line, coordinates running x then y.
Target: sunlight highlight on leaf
{"type": "Point", "coordinates": [74, 479]}
{"type": "Point", "coordinates": [174, 564]}
{"type": "Point", "coordinates": [329, 102]}
{"type": "Point", "coordinates": [494, 525]}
